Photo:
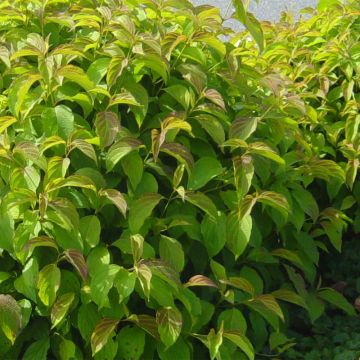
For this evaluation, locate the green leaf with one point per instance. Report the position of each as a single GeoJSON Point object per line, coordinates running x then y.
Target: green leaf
{"type": "Point", "coordinates": [169, 322]}
{"type": "Point", "coordinates": [26, 311]}
{"type": "Point", "coordinates": [214, 341]}
{"type": "Point", "coordinates": [133, 167]}
{"type": "Point", "coordinates": [59, 119]}
{"type": "Point", "coordinates": [182, 95]}
{"type": "Point", "coordinates": [125, 97]}
{"type": "Point", "coordinates": [76, 75]}
{"type": "Point", "coordinates": [90, 230]}
{"type": "Point", "coordinates": [61, 308]}
{"type": "Point", "coordinates": [67, 349]}
{"type": "Point", "coordinates": [141, 97]}
{"type": "Point", "coordinates": [233, 320]}
{"type": "Point", "coordinates": [107, 125]}
{"type": "Point", "coordinates": [147, 323]}
{"type": "Point", "coordinates": [315, 306]}
{"type": "Point", "coordinates": [5, 122]}
{"type": "Point", "coordinates": [103, 330]}
{"type": "Point", "coordinates": [141, 209]}
{"type": "Point", "coordinates": [88, 317]}
{"type": "Point", "coordinates": [335, 298]}
{"type": "Point", "coordinates": [271, 304]}
{"type": "Point", "coordinates": [137, 247]}
{"type": "Point", "coordinates": [238, 233]}
{"type": "Point", "coordinates": [5, 56]}
{"type": "Point", "coordinates": [264, 150]}
{"type": "Point", "coordinates": [26, 283]}
{"type": "Point", "coordinates": [38, 350]}
{"type": "Point", "coordinates": [205, 169]}
{"type": "Point", "coordinates": [214, 43]}
{"type": "Point", "coordinates": [214, 96]}
{"type": "Point", "coordinates": [180, 153]}
{"type": "Point", "coordinates": [275, 200]}
{"type": "Point", "coordinates": [266, 313]}
{"type": "Point", "coordinates": [240, 283]}
{"type": "Point", "coordinates": [144, 275]}
{"type": "Point", "coordinates": [97, 257]}
{"type": "Point", "coordinates": [120, 150]}
{"type": "Point", "coordinates": [242, 342]}
{"type": "Point", "coordinates": [98, 69]}
{"type": "Point", "coordinates": [289, 296]}
{"type": "Point", "coordinates": [200, 280]}
{"type": "Point", "coordinates": [243, 127]}
{"type": "Point", "coordinates": [306, 202]}
{"type": "Point", "coordinates": [203, 202]}
{"type": "Point", "coordinates": [71, 181]}
{"type": "Point", "coordinates": [4, 276]}
{"type": "Point", "coordinates": [289, 255]}
{"type": "Point", "coordinates": [180, 350]}
{"type": "Point", "coordinates": [48, 283]}
{"type": "Point", "coordinates": [325, 4]}
{"type": "Point", "coordinates": [10, 317]}
{"type": "Point", "coordinates": [63, 213]}
{"type": "Point", "coordinates": [85, 147]}
{"type": "Point", "coordinates": [76, 258]}
{"type": "Point", "coordinates": [212, 126]}
{"type": "Point", "coordinates": [172, 252]}
{"type": "Point", "coordinates": [101, 283]}
{"type": "Point", "coordinates": [7, 233]}
{"type": "Point", "coordinates": [214, 233]}
{"type": "Point", "coordinates": [19, 90]}
{"type": "Point", "coordinates": [41, 241]}
{"type": "Point", "coordinates": [125, 283]}
{"type": "Point", "coordinates": [116, 198]}
{"type": "Point", "coordinates": [131, 343]}
{"type": "Point", "coordinates": [153, 62]}
{"type": "Point", "coordinates": [308, 245]}
{"type": "Point", "coordinates": [250, 22]}
{"type": "Point", "coordinates": [29, 151]}
{"type": "Point", "coordinates": [244, 173]}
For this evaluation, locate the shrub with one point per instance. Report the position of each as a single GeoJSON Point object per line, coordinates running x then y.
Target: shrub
{"type": "Point", "coordinates": [166, 193]}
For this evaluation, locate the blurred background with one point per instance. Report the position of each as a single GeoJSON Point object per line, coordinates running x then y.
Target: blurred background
{"type": "Point", "coordinates": [265, 9]}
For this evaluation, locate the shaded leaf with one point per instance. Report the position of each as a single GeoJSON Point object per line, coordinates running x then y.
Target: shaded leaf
{"type": "Point", "coordinates": [335, 298]}
{"type": "Point", "coordinates": [171, 251]}
{"type": "Point", "coordinates": [38, 349]}
{"type": "Point", "coordinates": [141, 209]}
{"type": "Point", "coordinates": [289, 296]}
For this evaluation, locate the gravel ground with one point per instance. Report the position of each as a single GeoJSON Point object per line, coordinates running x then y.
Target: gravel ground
{"type": "Point", "coordinates": [265, 9]}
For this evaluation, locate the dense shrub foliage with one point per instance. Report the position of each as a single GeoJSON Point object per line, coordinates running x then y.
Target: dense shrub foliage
{"type": "Point", "coordinates": [333, 336]}
{"type": "Point", "coordinates": [165, 192]}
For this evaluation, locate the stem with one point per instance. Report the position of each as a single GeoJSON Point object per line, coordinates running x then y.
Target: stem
{"type": "Point", "coordinates": [167, 203]}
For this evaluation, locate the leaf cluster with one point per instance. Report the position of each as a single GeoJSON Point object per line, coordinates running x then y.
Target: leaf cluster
{"type": "Point", "coordinates": [165, 192]}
